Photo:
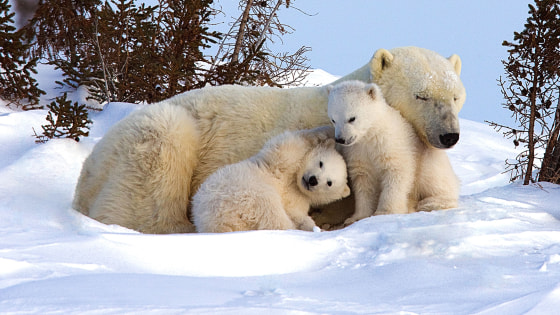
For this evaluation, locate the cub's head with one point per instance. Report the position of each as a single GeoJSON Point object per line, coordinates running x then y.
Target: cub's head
{"type": "Point", "coordinates": [425, 87]}
{"type": "Point", "coordinates": [352, 108]}
{"type": "Point", "coordinates": [323, 177]}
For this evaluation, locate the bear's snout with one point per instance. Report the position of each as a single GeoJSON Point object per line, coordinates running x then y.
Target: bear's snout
{"type": "Point", "coordinates": [449, 139]}
{"type": "Point", "coordinates": [313, 181]}
{"type": "Point", "coordinates": [309, 182]}
{"type": "Point", "coordinates": [344, 141]}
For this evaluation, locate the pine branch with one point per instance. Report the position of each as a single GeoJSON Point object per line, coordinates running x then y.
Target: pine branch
{"type": "Point", "coordinates": [104, 70]}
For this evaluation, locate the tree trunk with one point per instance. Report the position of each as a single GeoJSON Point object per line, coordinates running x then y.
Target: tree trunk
{"type": "Point", "coordinates": [533, 111]}
{"type": "Point", "coordinates": [531, 144]}
{"type": "Point", "coordinates": [267, 24]}
{"type": "Point", "coordinates": [241, 33]}
{"type": "Point", "coordinates": [551, 161]}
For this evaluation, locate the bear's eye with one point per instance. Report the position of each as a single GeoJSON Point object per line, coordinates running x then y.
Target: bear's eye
{"type": "Point", "coordinates": [418, 97]}
{"type": "Point", "coordinates": [321, 164]}
{"type": "Point", "coordinates": [351, 120]}
{"type": "Point", "coordinates": [455, 98]}
{"type": "Point", "coordinates": [333, 121]}
{"type": "Point", "coordinates": [329, 183]}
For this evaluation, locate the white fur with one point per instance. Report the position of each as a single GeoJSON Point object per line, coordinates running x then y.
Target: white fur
{"type": "Point", "coordinates": [121, 181]}
{"type": "Point", "coordinates": [275, 188]}
{"type": "Point", "coordinates": [424, 87]}
{"type": "Point", "coordinates": [390, 168]}
{"type": "Point", "coordinates": [155, 160]}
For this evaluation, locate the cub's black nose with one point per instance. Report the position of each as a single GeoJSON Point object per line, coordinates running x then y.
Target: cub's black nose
{"type": "Point", "coordinates": [449, 139]}
{"type": "Point", "coordinates": [312, 181]}
{"type": "Point", "coordinates": [340, 140]}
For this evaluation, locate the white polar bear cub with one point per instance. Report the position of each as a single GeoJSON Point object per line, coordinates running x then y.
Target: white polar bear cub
{"type": "Point", "coordinates": [274, 189]}
{"type": "Point", "coordinates": [390, 168]}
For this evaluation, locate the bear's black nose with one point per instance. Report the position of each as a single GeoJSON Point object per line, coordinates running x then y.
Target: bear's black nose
{"type": "Point", "coordinates": [312, 181]}
{"type": "Point", "coordinates": [449, 139]}
{"type": "Point", "coordinates": [340, 140]}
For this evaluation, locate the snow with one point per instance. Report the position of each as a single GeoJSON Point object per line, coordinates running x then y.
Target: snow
{"type": "Point", "coordinates": [497, 253]}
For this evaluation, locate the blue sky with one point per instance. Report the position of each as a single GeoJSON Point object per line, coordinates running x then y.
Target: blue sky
{"type": "Point", "coordinates": [344, 35]}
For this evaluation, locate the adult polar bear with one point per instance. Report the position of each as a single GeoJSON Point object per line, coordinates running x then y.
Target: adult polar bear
{"type": "Point", "coordinates": [143, 173]}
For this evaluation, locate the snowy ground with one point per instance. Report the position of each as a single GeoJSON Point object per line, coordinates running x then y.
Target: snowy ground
{"type": "Point", "coordinates": [498, 253]}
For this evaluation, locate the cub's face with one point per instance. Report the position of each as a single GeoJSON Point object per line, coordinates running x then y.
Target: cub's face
{"type": "Point", "coordinates": [352, 109]}
{"type": "Point", "coordinates": [323, 178]}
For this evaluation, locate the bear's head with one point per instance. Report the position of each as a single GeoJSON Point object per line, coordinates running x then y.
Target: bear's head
{"type": "Point", "coordinates": [425, 87]}
{"type": "Point", "coordinates": [352, 108]}
{"type": "Point", "coordinates": [323, 177]}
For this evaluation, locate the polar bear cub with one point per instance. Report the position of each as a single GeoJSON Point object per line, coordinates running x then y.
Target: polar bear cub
{"type": "Point", "coordinates": [274, 189]}
{"type": "Point", "coordinates": [390, 169]}
{"type": "Point", "coordinates": [380, 148]}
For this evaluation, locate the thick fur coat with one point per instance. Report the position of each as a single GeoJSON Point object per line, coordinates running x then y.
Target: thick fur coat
{"type": "Point", "coordinates": [274, 189]}
{"type": "Point", "coordinates": [156, 159]}
{"type": "Point", "coordinates": [383, 153]}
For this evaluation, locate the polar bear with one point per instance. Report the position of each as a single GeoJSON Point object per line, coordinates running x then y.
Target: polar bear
{"type": "Point", "coordinates": [274, 189]}
{"type": "Point", "coordinates": [383, 153]}
{"type": "Point", "coordinates": [149, 148]}
{"type": "Point", "coordinates": [379, 146]}
{"type": "Point", "coordinates": [226, 124]}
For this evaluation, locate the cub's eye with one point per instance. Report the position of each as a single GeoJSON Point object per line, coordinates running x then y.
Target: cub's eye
{"type": "Point", "coordinates": [418, 97]}
{"type": "Point", "coordinates": [329, 183]}
{"type": "Point", "coordinates": [351, 120]}
{"type": "Point", "coordinates": [455, 98]}
{"type": "Point", "coordinates": [333, 121]}
{"type": "Point", "coordinates": [321, 164]}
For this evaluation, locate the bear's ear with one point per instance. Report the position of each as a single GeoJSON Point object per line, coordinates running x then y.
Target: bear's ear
{"type": "Point", "coordinates": [330, 143]}
{"type": "Point", "coordinates": [329, 89]}
{"type": "Point", "coordinates": [346, 192]}
{"type": "Point", "coordinates": [382, 59]}
{"type": "Point", "coordinates": [456, 62]}
{"type": "Point", "coordinates": [372, 91]}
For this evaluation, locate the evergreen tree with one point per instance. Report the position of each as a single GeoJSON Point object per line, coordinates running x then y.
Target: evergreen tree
{"type": "Point", "coordinates": [122, 58]}
{"type": "Point", "coordinates": [17, 86]}
{"type": "Point", "coordinates": [530, 89]}
{"type": "Point", "coordinates": [182, 36]}
{"type": "Point", "coordinates": [124, 52]}
{"type": "Point", "coordinates": [65, 120]}
{"type": "Point", "coordinates": [244, 57]}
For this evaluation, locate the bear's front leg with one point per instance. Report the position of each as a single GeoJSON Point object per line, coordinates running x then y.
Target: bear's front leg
{"type": "Point", "coordinates": [395, 190]}
{"type": "Point", "coordinates": [297, 210]}
{"type": "Point", "coordinates": [305, 223]}
{"type": "Point", "coordinates": [392, 201]}
{"type": "Point", "coordinates": [438, 186]}
{"type": "Point", "coordinates": [436, 203]}
{"type": "Point", "coordinates": [365, 196]}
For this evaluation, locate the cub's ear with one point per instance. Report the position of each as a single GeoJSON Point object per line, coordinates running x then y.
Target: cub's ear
{"type": "Point", "coordinates": [372, 91]}
{"type": "Point", "coordinates": [346, 192]}
{"type": "Point", "coordinates": [329, 89]}
{"type": "Point", "coordinates": [316, 136]}
{"type": "Point", "coordinates": [382, 59]}
{"type": "Point", "coordinates": [456, 62]}
{"type": "Point", "coordinates": [330, 143]}
{"type": "Point", "coordinates": [324, 132]}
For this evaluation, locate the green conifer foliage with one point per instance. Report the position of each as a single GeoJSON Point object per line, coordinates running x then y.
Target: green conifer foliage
{"type": "Point", "coordinates": [66, 120]}
{"type": "Point", "coordinates": [17, 86]}
{"type": "Point", "coordinates": [122, 51]}
{"type": "Point", "coordinates": [531, 89]}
